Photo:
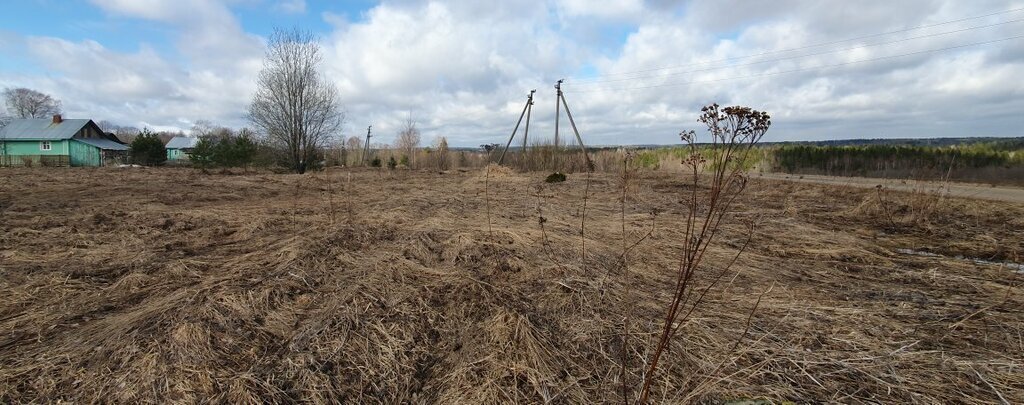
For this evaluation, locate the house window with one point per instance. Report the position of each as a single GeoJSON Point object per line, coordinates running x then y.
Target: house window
{"type": "Point", "coordinates": [45, 145]}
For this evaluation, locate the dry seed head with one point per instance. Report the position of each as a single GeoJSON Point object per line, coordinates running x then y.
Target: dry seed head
{"type": "Point", "coordinates": [688, 136]}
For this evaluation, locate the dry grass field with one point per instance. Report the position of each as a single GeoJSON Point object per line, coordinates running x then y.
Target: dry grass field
{"type": "Point", "coordinates": [167, 285]}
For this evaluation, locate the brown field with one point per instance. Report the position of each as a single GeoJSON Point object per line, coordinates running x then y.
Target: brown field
{"type": "Point", "coordinates": [167, 285]}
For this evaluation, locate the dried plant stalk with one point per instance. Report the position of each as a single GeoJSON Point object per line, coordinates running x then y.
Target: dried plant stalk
{"type": "Point", "coordinates": [734, 131]}
{"type": "Point", "coordinates": [487, 198]}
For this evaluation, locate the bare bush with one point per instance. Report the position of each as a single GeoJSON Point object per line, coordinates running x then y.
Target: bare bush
{"type": "Point", "coordinates": [914, 207]}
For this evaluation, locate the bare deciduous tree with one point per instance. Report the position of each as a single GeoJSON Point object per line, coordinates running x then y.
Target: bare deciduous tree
{"type": "Point", "coordinates": [245, 132]}
{"type": "Point", "coordinates": [4, 120]}
{"type": "Point", "coordinates": [106, 126]}
{"type": "Point", "coordinates": [354, 143]}
{"type": "Point", "coordinates": [442, 153]}
{"type": "Point", "coordinates": [295, 106]}
{"type": "Point", "coordinates": [28, 103]}
{"type": "Point", "coordinates": [126, 134]}
{"type": "Point", "coordinates": [201, 128]}
{"type": "Point", "coordinates": [408, 138]}
{"type": "Point", "coordinates": [354, 146]}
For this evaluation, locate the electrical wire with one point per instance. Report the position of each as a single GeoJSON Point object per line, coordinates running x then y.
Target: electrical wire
{"type": "Point", "coordinates": [767, 74]}
{"type": "Point", "coordinates": [580, 80]}
{"type": "Point", "coordinates": [589, 83]}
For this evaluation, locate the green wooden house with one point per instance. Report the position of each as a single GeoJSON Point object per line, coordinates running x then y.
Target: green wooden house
{"type": "Point", "coordinates": [57, 142]}
{"type": "Point", "coordinates": [179, 147]}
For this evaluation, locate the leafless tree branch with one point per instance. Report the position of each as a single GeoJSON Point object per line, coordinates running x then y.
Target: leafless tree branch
{"type": "Point", "coordinates": [295, 106]}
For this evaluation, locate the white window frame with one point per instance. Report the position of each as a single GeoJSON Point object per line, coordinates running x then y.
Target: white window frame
{"type": "Point", "coordinates": [45, 146]}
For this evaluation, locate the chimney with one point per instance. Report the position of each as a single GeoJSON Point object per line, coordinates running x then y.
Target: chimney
{"type": "Point", "coordinates": [57, 119]}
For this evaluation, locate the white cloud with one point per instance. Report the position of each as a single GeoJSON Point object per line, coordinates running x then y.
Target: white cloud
{"type": "Point", "coordinates": [210, 76]}
{"type": "Point", "coordinates": [613, 9]}
{"type": "Point", "coordinates": [463, 68]}
{"type": "Point", "coordinates": [209, 34]}
{"type": "Point", "coordinates": [292, 6]}
{"type": "Point", "coordinates": [336, 20]}
{"type": "Point", "coordinates": [906, 94]}
{"type": "Point", "coordinates": [167, 11]}
{"type": "Point", "coordinates": [455, 69]}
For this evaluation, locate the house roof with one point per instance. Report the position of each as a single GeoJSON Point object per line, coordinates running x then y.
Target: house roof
{"type": "Point", "coordinates": [104, 144]}
{"type": "Point", "coordinates": [182, 142]}
{"type": "Point", "coordinates": [41, 129]}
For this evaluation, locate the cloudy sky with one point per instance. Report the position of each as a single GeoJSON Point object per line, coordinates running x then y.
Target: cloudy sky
{"type": "Point", "coordinates": [636, 71]}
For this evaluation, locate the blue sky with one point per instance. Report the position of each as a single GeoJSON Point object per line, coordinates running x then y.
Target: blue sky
{"type": "Point", "coordinates": [81, 20]}
{"type": "Point", "coordinates": [637, 71]}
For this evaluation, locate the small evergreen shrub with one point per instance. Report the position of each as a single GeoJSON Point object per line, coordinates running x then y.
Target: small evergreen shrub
{"type": "Point", "coordinates": [148, 150]}
{"type": "Point", "coordinates": [202, 155]}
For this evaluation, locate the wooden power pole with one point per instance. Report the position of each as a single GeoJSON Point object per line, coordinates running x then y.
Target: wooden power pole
{"type": "Point", "coordinates": [558, 88]}
{"type": "Point", "coordinates": [366, 146]}
{"type": "Point", "coordinates": [561, 101]}
{"type": "Point", "coordinates": [526, 131]}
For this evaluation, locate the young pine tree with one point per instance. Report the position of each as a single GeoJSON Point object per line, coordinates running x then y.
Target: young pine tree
{"type": "Point", "coordinates": [147, 149]}
{"type": "Point", "coordinates": [202, 155]}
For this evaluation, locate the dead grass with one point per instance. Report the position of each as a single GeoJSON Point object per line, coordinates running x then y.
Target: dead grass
{"type": "Point", "coordinates": [148, 285]}
{"type": "Point", "coordinates": [921, 204]}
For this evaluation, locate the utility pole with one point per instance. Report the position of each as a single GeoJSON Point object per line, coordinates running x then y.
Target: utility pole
{"type": "Point", "coordinates": [526, 111]}
{"type": "Point", "coordinates": [526, 131]}
{"type": "Point", "coordinates": [558, 87]}
{"type": "Point", "coordinates": [561, 101]}
{"type": "Point", "coordinates": [366, 147]}
{"type": "Point", "coordinates": [590, 165]}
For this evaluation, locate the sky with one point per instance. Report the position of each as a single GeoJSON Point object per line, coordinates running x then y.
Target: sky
{"type": "Point", "coordinates": [636, 72]}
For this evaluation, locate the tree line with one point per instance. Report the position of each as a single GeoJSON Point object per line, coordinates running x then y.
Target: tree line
{"type": "Point", "coordinates": [996, 162]}
{"type": "Point", "coordinates": [862, 159]}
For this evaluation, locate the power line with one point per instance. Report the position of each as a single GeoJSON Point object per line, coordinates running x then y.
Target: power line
{"type": "Point", "coordinates": [590, 83]}
{"type": "Point", "coordinates": [802, 69]}
{"type": "Point", "coordinates": [802, 47]}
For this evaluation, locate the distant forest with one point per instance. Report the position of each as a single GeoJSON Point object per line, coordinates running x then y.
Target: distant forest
{"type": "Point", "coordinates": [979, 160]}
{"type": "Point", "coordinates": [986, 160]}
